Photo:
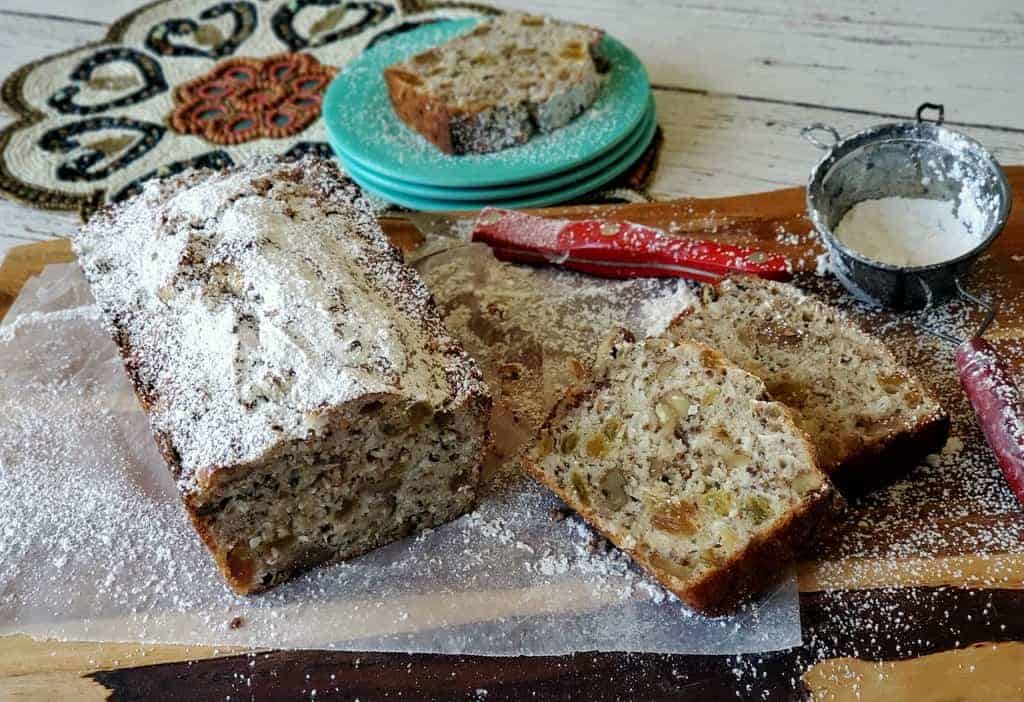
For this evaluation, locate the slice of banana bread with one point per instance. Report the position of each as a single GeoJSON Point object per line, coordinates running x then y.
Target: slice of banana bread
{"type": "Point", "coordinates": [308, 399]}
{"type": "Point", "coordinates": [679, 459]}
{"type": "Point", "coordinates": [497, 85]}
{"type": "Point", "coordinates": [869, 417]}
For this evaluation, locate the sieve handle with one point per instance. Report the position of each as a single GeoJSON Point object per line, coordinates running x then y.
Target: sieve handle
{"type": "Point", "coordinates": [999, 405]}
{"type": "Point", "coordinates": [808, 133]}
{"type": "Point", "coordinates": [940, 109]}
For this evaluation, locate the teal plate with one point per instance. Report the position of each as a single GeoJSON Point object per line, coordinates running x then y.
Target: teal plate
{"type": "Point", "coordinates": [533, 187]}
{"type": "Point", "coordinates": [363, 128]}
{"type": "Point", "coordinates": [551, 197]}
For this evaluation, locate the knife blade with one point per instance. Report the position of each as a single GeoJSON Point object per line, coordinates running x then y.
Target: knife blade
{"type": "Point", "coordinates": [605, 248]}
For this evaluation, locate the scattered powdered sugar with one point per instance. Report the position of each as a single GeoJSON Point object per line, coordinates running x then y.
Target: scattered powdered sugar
{"type": "Point", "coordinates": [96, 546]}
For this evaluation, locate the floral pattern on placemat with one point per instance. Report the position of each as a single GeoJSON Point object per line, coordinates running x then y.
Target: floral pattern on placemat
{"type": "Point", "coordinates": [179, 84]}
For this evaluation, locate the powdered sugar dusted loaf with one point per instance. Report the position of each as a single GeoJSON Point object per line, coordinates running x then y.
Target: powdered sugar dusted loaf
{"type": "Point", "coordinates": [299, 381]}
{"type": "Point", "coordinates": [497, 85]}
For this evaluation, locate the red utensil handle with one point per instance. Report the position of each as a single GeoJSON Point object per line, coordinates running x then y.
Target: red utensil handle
{"type": "Point", "coordinates": [998, 402]}
{"type": "Point", "coordinates": [618, 249]}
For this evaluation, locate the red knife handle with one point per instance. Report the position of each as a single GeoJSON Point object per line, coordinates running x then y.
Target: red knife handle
{"type": "Point", "coordinates": [618, 249]}
{"type": "Point", "coordinates": [999, 405]}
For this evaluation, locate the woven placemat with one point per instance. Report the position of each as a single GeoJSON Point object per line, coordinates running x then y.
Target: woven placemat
{"type": "Point", "coordinates": [178, 84]}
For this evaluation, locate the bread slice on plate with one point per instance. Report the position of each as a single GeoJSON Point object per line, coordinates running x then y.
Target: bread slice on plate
{"type": "Point", "coordinates": [499, 84]}
{"type": "Point", "coordinates": [678, 458]}
{"type": "Point", "coordinates": [868, 416]}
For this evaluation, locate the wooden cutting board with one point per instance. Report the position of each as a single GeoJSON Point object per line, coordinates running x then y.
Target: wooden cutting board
{"type": "Point", "coordinates": [775, 221]}
{"type": "Point", "coordinates": [966, 608]}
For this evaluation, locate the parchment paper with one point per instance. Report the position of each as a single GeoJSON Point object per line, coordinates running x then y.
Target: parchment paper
{"type": "Point", "coordinates": [95, 545]}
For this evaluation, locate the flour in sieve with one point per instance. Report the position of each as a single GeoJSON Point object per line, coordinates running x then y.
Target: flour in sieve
{"type": "Point", "coordinates": [905, 231]}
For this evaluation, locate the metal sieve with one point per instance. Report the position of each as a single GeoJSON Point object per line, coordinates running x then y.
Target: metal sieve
{"type": "Point", "coordinates": [913, 159]}
{"type": "Point", "coordinates": [923, 159]}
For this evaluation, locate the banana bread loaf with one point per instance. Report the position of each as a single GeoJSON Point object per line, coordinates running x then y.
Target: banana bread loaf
{"type": "Point", "coordinates": [869, 417]}
{"type": "Point", "coordinates": [497, 85]}
{"type": "Point", "coordinates": [678, 458]}
{"type": "Point", "coordinates": [300, 384]}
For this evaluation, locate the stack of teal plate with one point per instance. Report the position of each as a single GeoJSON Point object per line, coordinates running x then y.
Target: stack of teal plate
{"type": "Point", "coordinates": [393, 162]}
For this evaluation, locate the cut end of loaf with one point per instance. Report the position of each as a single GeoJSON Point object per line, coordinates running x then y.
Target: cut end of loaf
{"type": "Point", "coordinates": [679, 458]}
{"type": "Point", "coordinates": [379, 470]}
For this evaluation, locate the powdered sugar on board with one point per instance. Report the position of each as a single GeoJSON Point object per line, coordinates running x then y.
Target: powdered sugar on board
{"type": "Point", "coordinates": [95, 545]}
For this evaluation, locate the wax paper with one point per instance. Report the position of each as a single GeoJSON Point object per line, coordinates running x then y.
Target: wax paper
{"type": "Point", "coordinates": [94, 544]}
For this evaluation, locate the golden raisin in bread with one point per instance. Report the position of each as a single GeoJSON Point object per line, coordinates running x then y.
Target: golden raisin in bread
{"type": "Point", "coordinates": [308, 399]}
{"type": "Point", "coordinates": [498, 84]}
{"type": "Point", "coordinates": [678, 458]}
{"type": "Point", "coordinates": [869, 417]}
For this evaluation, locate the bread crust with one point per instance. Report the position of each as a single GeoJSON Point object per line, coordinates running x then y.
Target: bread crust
{"type": "Point", "coordinates": [885, 462]}
{"type": "Point", "coordinates": [430, 117]}
{"type": "Point", "coordinates": [748, 573]}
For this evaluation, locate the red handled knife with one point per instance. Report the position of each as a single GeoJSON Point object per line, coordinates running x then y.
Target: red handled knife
{"type": "Point", "coordinates": [606, 248]}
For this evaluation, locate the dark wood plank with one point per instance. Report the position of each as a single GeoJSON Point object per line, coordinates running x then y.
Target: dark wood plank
{"type": "Point", "coordinates": [875, 625]}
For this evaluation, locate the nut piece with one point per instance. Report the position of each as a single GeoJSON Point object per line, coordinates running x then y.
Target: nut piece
{"type": "Point", "coordinates": [729, 538]}
{"type": "Point", "coordinates": [597, 446]}
{"type": "Point", "coordinates": [718, 501]}
{"type": "Point", "coordinates": [611, 428]}
{"type": "Point", "coordinates": [426, 58]}
{"type": "Point", "coordinates": [734, 460]}
{"type": "Point", "coordinates": [573, 50]}
{"type": "Point", "coordinates": [665, 414]}
{"type": "Point", "coordinates": [580, 485]}
{"type": "Point", "coordinates": [569, 442]}
{"type": "Point", "coordinates": [679, 402]}
{"type": "Point", "coordinates": [669, 408]}
{"type": "Point", "coordinates": [757, 508]}
{"type": "Point", "coordinates": [892, 383]}
{"type": "Point", "coordinates": [806, 482]}
{"type": "Point", "coordinates": [613, 486]}
{"type": "Point", "coordinates": [545, 446]}
{"type": "Point", "coordinates": [665, 370]}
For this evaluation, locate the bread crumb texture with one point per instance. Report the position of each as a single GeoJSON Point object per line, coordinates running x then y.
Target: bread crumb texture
{"type": "Point", "coordinates": [847, 390]}
{"type": "Point", "coordinates": [679, 458]}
